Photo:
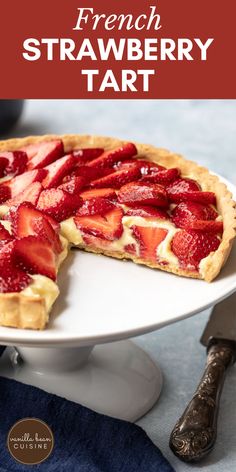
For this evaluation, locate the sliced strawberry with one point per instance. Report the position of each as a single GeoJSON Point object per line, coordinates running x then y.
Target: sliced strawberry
{"type": "Point", "coordinates": [88, 173]}
{"type": "Point", "coordinates": [163, 177]}
{"type": "Point", "coordinates": [211, 212]}
{"type": "Point", "coordinates": [84, 155]}
{"type": "Point", "coordinates": [5, 193]}
{"type": "Point", "coordinates": [149, 167]}
{"type": "Point", "coordinates": [146, 167]}
{"type": "Point", "coordinates": [117, 179]}
{"type": "Point", "coordinates": [108, 158]}
{"type": "Point", "coordinates": [12, 279]}
{"type": "Point", "coordinates": [16, 162]}
{"type": "Point", "coordinates": [131, 249]}
{"type": "Point", "coordinates": [57, 170]}
{"type": "Point", "coordinates": [149, 239]}
{"type": "Point", "coordinates": [35, 256]}
{"type": "Point", "coordinates": [179, 187]}
{"type": "Point", "coordinates": [186, 212]}
{"type": "Point", "coordinates": [206, 198]}
{"type": "Point", "coordinates": [95, 206]}
{"type": "Point", "coordinates": [74, 185]}
{"type": "Point", "coordinates": [140, 193]}
{"type": "Point", "coordinates": [42, 228]}
{"type": "Point", "coordinates": [93, 173]}
{"type": "Point", "coordinates": [30, 194]}
{"type": "Point", "coordinates": [5, 236]}
{"type": "Point", "coordinates": [190, 247]}
{"type": "Point", "coordinates": [43, 154]}
{"type": "Point", "coordinates": [55, 225]}
{"type": "Point", "coordinates": [58, 204]}
{"type": "Point", "coordinates": [10, 216]}
{"type": "Point", "coordinates": [95, 243]}
{"type": "Point", "coordinates": [108, 226]}
{"type": "Point", "coordinates": [7, 254]}
{"type": "Point", "coordinates": [126, 164]}
{"type": "Point", "coordinates": [108, 193]}
{"type": "Point", "coordinates": [206, 226]}
{"type": "Point", "coordinates": [24, 180]}
{"type": "Point", "coordinates": [28, 221]}
{"type": "Point", "coordinates": [3, 165]}
{"type": "Point", "coordinates": [147, 211]}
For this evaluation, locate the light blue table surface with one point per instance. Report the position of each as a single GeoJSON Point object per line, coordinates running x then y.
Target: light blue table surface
{"type": "Point", "coordinates": [204, 131]}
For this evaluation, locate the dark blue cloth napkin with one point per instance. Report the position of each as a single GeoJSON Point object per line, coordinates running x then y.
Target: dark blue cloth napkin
{"type": "Point", "coordinates": [85, 441]}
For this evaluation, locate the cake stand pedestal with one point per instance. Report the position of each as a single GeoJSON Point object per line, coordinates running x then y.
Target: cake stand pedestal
{"type": "Point", "coordinates": [117, 379]}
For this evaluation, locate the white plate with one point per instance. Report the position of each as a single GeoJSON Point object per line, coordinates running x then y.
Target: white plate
{"type": "Point", "coordinates": [104, 299]}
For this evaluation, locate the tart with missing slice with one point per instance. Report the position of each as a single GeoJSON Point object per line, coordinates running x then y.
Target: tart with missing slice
{"type": "Point", "coordinates": [124, 200]}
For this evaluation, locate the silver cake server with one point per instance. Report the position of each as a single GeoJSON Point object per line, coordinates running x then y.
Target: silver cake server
{"type": "Point", "coordinates": [194, 435]}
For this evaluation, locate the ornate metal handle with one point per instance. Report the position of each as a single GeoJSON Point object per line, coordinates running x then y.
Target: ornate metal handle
{"type": "Point", "coordinates": [194, 435]}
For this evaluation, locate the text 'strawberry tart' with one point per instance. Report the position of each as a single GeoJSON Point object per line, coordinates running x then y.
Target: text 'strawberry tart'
{"type": "Point", "coordinates": [124, 200]}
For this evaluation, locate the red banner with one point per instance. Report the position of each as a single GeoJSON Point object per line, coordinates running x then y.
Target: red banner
{"type": "Point", "coordinates": [150, 49]}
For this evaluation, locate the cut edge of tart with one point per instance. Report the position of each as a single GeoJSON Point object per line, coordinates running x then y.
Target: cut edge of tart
{"type": "Point", "coordinates": [30, 308]}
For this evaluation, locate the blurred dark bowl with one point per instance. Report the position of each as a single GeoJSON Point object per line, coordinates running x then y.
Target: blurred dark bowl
{"type": "Point", "coordinates": [10, 112]}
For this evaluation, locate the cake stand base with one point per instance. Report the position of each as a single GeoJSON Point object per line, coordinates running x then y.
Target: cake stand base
{"type": "Point", "coordinates": [117, 379]}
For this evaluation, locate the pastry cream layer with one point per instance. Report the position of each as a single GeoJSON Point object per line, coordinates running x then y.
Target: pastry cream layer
{"type": "Point", "coordinates": [164, 252]}
{"type": "Point", "coordinates": [74, 235]}
{"type": "Point", "coordinates": [42, 286]}
{"type": "Point", "coordinates": [3, 210]}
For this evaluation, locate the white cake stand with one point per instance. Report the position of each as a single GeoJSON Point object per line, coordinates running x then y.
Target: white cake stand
{"type": "Point", "coordinates": [80, 356]}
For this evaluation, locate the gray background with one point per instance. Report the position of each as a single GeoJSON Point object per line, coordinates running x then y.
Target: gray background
{"type": "Point", "coordinates": [204, 131]}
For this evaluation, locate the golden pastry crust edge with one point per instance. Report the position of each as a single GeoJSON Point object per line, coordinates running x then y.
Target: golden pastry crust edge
{"type": "Point", "coordinates": [17, 309]}
{"type": "Point", "coordinates": [23, 311]}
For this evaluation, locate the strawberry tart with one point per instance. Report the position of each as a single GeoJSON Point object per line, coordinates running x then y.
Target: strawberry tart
{"type": "Point", "coordinates": [120, 199]}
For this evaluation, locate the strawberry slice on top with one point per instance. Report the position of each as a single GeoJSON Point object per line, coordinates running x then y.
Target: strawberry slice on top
{"type": "Point", "coordinates": [74, 184]}
{"type": "Point", "coordinates": [35, 256]}
{"type": "Point", "coordinates": [147, 211]}
{"type": "Point", "coordinates": [16, 184]}
{"type": "Point", "coordinates": [28, 221]}
{"type": "Point", "coordinates": [30, 194]}
{"type": "Point", "coordinates": [12, 279]}
{"type": "Point", "coordinates": [117, 179]}
{"type": "Point", "coordinates": [16, 162]}
{"type": "Point", "coordinates": [146, 167]}
{"type": "Point", "coordinates": [189, 190]}
{"type": "Point", "coordinates": [186, 212]}
{"type": "Point", "coordinates": [5, 236]}
{"type": "Point", "coordinates": [181, 186]}
{"type": "Point", "coordinates": [196, 216]}
{"type": "Point", "coordinates": [93, 173]}
{"type": "Point", "coordinates": [149, 239]}
{"type": "Point", "coordinates": [108, 193]}
{"type": "Point", "coordinates": [207, 226]}
{"type": "Point", "coordinates": [3, 165]}
{"type": "Point", "coordinates": [58, 204]}
{"type": "Point", "coordinates": [107, 226]}
{"type": "Point", "coordinates": [43, 154]}
{"type": "Point", "coordinates": [57, 170]}
{"type": "Point", "coordinates": [84, 155]}
{"type": "Point", "coordinates": [190, 247]}
{"type": "Point", "coordinates": [141, 193]}
{"type": "Point", "coordinates": [95, 206]}
{"type": "Point", "coordinates": [109, 158]}
{"type": "Point", "coordinates": [5, 193]}
{"type": "Point", "coordinates": [163, 177]}
{"type": "Point", "coordinates": [206, 198]}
